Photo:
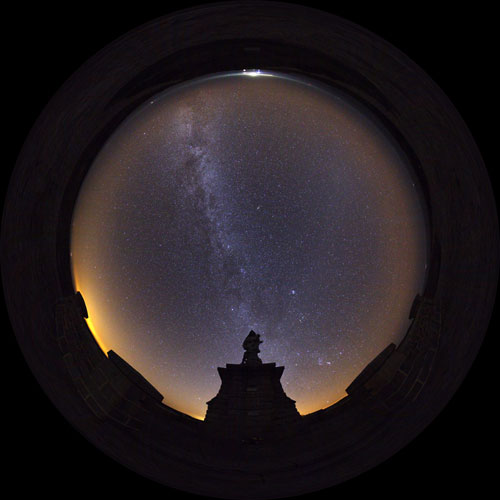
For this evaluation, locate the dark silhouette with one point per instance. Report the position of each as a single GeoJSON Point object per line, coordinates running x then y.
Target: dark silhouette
{"type": "Point", "coordinates": [251, 404]}
{"type": "Point", "coordinates": [251, 346]}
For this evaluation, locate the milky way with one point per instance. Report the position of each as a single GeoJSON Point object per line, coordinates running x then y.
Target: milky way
{"type": "Point", "coordinates": [249, 201]}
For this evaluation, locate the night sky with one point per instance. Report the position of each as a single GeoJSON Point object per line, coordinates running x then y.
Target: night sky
{"type": "Point", "coordinates": [249, 201]}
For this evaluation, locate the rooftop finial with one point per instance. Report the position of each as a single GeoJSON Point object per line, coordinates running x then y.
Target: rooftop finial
{"type": "Point", "coordinates": [251, 346]}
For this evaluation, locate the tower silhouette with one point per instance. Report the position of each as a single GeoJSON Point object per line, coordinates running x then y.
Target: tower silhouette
{"type": "Point", "coordinates": [251, 402]}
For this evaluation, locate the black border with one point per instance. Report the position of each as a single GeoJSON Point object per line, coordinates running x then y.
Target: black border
{"type": "Point", "coordinates": [456, 50]}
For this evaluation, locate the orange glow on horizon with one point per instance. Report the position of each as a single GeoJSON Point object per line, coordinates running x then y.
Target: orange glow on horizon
{"type": "Point", "coordinates": [89, 321]}
{"type": "Point", "coordinates": [303, 410]}
{"type": "Point", "coordinates": [197, 417]}
{"type": "Point", "coordinates": [98, 339]}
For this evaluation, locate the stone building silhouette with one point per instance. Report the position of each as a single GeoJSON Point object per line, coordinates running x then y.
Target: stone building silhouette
{"type": "Point", "coordinates": [251, 402]}
{"type": "Point", "coordinates": [252, 438]}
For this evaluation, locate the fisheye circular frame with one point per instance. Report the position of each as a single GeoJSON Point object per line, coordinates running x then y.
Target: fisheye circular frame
{"type": "Point", "coordinates": [396, 396]}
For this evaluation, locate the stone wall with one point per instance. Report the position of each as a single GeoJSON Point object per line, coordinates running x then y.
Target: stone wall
{"type": "Point", "coordinates": [110, 387]}
{"type": "Point", "coordinates": [399, 374]}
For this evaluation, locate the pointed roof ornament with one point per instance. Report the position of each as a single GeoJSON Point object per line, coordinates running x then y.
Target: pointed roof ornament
{"type": "Point", "coordinates": [251, 346]}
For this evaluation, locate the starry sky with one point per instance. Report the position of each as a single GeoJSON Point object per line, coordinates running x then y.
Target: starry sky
{"type": "Point", "coordinates": [249, 200]}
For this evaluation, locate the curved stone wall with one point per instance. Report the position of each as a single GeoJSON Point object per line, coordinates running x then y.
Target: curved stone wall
{"type": "Point", "coordinates": [398, 399]}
